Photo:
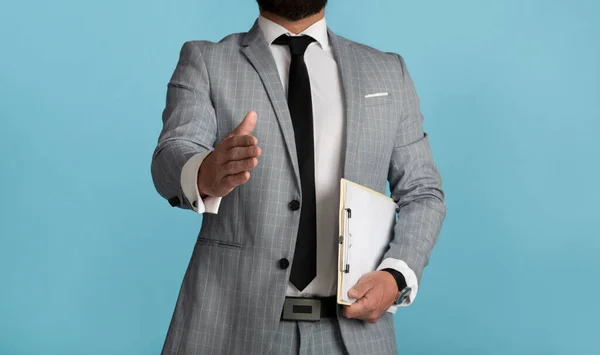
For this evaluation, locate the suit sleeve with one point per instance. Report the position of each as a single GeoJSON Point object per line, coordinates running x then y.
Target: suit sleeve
{"type": "Point", "coordinates": [189, 125]}
{"type": "Point", "coordinates": [415, 184]}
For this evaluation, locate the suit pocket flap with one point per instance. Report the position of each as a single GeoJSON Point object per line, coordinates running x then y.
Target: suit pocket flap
{"type": "Point", "coordinates": [218, 243]}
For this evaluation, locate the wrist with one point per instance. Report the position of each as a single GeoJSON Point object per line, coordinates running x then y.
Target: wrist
{"type": "Point", "coordinates": [202, 192]}
{"type": "Point", "coordinates": [398, 277]}
{"type": "Point", "coordinates": [201, 189]}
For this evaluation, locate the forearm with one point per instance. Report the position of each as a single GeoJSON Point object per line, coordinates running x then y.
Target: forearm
{"type": "Point", "coordinates": [416, 186]}
{"type": "Point", "coordinates": [168, 162]}
{"type": "Point", "coordinates": [416, 232]}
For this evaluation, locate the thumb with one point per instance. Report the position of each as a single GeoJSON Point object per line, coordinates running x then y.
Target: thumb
{"type": "Point", "coordinates": [359, 290]}
{"type": "Point", "coordinates": [246, 126]}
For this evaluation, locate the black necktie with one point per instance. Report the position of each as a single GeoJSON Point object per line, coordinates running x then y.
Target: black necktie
{"type": "Point", "coordinates": [304, 266]}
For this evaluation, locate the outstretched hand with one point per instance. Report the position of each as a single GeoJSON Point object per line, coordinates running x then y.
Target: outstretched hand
{"type": "Point", "coordinates": [229, 165]}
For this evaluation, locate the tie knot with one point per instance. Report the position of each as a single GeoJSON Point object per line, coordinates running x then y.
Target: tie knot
{"type": "Point", "coordinates": [297, 44]}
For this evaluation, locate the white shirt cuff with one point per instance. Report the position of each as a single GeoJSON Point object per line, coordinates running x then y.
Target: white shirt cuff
{"type": "Point", "coordinates": [409, 276]}
{"type": "Point", "coordinates": [189, 186]}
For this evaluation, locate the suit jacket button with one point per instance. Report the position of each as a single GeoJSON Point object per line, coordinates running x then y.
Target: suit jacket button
{"type": "Point", "coordinates": [294, 205]}
{"type": "Point", "coordinates": [284, 264]}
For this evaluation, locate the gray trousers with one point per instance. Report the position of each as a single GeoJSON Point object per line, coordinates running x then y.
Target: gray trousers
{"type": "Point", "coordinates": [308, 338]}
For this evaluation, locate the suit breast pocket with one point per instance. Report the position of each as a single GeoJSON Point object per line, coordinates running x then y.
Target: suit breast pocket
{"type": "Point", "coordinates": [377, 98]}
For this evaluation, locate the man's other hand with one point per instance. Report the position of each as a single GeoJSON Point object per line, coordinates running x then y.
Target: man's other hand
{"type": "Point", "coordinates": [375, 292]}
{"type": "Point", "coordinates": [229, 165]}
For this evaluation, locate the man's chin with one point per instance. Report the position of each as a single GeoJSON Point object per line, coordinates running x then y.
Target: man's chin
{"type": "Point", "coordinates": [293, 10]}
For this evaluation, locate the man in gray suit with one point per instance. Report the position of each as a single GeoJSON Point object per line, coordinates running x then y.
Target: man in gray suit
{"type": "Point", "coordinates": [258, 130]}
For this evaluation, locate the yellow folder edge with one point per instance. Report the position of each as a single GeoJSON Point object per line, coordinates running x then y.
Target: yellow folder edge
{"type": "Point", "coordinates": [343, 184]}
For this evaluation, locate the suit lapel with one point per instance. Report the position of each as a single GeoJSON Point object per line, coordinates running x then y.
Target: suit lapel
{"type": "Point", "coordinates": [353, 102]}
{"type": "Point", "coordinates": [256, 49]}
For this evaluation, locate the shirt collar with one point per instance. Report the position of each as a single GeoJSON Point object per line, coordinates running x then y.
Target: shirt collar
{"type": "Point", "coordinates": [271, 31]}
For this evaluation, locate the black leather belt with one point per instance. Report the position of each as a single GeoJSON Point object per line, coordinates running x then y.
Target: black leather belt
{"type": "Point", "coordinates": [309, 309]}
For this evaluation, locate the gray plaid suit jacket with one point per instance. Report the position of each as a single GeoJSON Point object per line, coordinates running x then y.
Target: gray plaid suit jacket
{"type": "Point", "coordinates": [232, 294]}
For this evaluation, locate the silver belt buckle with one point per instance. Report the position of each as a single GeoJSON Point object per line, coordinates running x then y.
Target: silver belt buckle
{"type": "Point", "coordinates": [302, 309]}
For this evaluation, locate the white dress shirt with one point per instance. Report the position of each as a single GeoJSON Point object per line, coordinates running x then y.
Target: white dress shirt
{"type": "Point", "coordinates": [328, 113]}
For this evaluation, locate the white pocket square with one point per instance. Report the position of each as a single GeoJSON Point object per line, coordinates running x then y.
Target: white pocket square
{"type": "Point", "coordinates": [379, 94]}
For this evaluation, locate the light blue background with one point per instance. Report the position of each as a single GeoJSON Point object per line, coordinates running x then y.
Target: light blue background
{"type": "Point", "coordinates": [91, 259]}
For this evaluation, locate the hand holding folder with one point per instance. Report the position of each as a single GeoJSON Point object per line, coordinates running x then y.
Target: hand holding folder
{"type": "Point", "coordinates": [366, 228]}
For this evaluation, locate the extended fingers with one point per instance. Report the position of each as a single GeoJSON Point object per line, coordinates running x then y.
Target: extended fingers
{"type": "Point", "coordinates": [232, 181]}
{"type": "Point", "coordinates": [239, 141]}
{"type": "Point", "coordinates": [241, 153]}
{"type": "Point", "coordinates": [239, 166]}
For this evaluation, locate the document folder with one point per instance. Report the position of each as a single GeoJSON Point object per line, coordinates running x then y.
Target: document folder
{"type": "Point", "coordinates": [367, 221]}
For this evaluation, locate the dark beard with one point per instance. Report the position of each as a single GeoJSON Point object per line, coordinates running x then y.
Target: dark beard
{"type": "Point", "coordinates": [292, 10]}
